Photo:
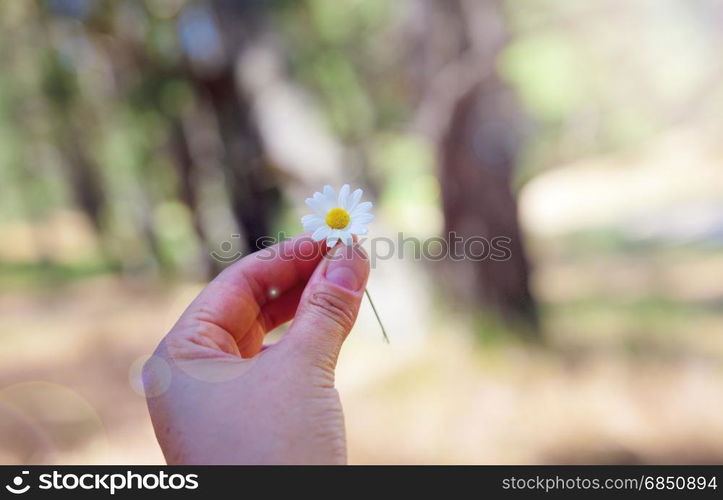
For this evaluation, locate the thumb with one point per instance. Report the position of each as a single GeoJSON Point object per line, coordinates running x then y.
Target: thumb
{"type": "Point", "coordinates": [329, 305]}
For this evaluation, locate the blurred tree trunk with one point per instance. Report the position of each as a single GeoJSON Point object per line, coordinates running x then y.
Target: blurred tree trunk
{"type": "Point", "coordinates": [142, 76]}
{"type": "Point", "coordinates": [83, 174]}
{"type": "Point", "coordinates": [476, 161]}
{"type": "Point", "coordinates": [188, 174]}
{"type": "Point", "coordinates": [477, 124]}
{"type": "Point", "coordinates": [253, 193]}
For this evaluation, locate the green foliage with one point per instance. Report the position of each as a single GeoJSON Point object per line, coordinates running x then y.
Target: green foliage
{"type": "Point", "coordinates": [35, 276]}
{"type": "Point", "coordinates": [336, 53]}
{"type": "Point", "coordinates": [555, 66]}
{"type": "Point", "coordinates": [60, 83]}
{"type": "Point", "coordinates": [599, 77]}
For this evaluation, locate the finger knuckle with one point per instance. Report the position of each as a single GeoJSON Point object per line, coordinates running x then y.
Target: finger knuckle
{"type": "Point", "coordinates": [333, 307]}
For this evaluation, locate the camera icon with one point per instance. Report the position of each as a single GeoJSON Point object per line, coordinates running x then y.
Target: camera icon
{"type": "Point", "coordinates": [18, 488]}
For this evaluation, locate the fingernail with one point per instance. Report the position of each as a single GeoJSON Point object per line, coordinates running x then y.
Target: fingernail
{"type": "Point", "coordinates": [347, 267]}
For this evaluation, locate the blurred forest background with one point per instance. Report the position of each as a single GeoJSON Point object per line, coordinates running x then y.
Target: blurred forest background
{"type": "Point", "coordinates": [138, 138]}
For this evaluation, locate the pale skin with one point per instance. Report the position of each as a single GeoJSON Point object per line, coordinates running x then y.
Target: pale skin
{"type": "Point", "coordinates": [217, 395]}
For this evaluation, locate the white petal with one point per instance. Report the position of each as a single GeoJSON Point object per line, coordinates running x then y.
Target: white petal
{"type": "Point", "coordinates": [357, 228]}
{"type": "Point", "coordinates": [326, 203]}
{"type": "Point", "coordinates": [362, 208]}
{"type": "Point", "coordinates": [313, 223]}
{"type": "Point", "coordinates": [330, 194]}
{"type": "Point", "coordinates": [321, 233]}
{"type": "Point", "coordinates": [354, 200]}
{"type": "Point", "coordinates": [347, 237]}
{"type": "Point", "coordinates": [331, 241]}
{"type": "Point", "coordinates": [364, 218]}
{"type": "Point", "coordinates": [344, 196]}
{"type": "Point", "coordinates": [312, 228]}
{"type": "Point", "coordinates": [316, 205]}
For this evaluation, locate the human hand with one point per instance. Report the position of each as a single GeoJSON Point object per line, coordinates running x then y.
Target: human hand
{"type": "Point", "coordinates": [216, 395]}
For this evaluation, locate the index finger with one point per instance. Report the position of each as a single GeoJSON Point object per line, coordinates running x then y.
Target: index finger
{"type": "Point", "coordinates": [235, 298]}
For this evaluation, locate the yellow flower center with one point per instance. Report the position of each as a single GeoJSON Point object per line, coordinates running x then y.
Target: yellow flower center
{"type": "Point", "coordinates": [337, 218]}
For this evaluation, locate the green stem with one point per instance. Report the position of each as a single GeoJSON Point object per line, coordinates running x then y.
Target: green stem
{"type": "Point", "coordinates": [371, 302]}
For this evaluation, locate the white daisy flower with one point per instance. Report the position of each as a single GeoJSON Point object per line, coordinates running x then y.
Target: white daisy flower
{"type": "Point", "coordinates": [337, 217]}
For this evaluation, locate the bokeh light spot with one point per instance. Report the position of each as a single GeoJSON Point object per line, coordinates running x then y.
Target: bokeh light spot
{"type": "Point", "coordinates": [158, 376]}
